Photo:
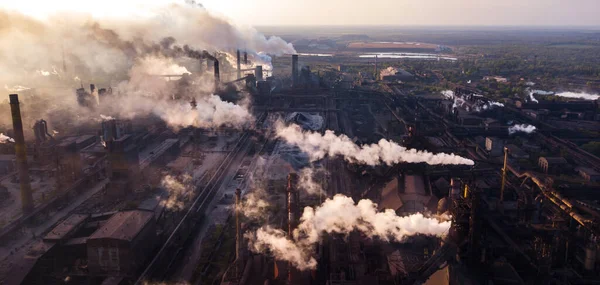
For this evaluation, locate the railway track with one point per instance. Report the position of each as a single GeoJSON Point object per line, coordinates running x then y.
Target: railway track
{"type": "Point", "coordinates": [171, 249]}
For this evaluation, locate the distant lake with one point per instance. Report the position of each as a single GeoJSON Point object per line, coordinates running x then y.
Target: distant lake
{"type": "Point", "coordinates": [316, 54]}
{"type": "Point", "coordinates": [407, 55]}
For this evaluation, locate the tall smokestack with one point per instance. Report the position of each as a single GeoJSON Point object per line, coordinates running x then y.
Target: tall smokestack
{"type": "Point", "coordinates": [258, 73]}
{"type": "Point", "coordinates": [217, 74]}
{"type": "Point", "coordinates": [238, 231]}
{"type": "Point", "coordinates": [292, 205]}
{"type": "Point", "coordinates": [294, 70]}
{"type": "Point", "coordinates": [239, 65]}
{"type": "Point", "coordinates": [245, 57]}
{"type": "Point", "coordinates": [20, 151]}
{"type": "Point", "coordinates": [92, 88]}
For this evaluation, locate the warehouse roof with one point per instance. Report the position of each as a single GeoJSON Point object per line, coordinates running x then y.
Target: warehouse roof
{"type": "Point", "coordinates": [124, 225]}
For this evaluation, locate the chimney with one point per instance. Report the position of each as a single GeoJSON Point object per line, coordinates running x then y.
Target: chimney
{"type": "Point", "coordinates": [292, 205]}
{"type": "Point", "coordinates": [258, 73]}
{"type": "Point", "coordinates": [245, 57]}
{"type": "Point", "coordinates": [92, 88]}
{"type": "Point", "coordinates": [238, 231]}
{"type": "Point", "coordinates": [20, 151]}
{"type": "Point", "coordinates": [217, 75]}
{"type": "Point", "coordinates": [294, 70]}
{"type": "Point", "coordinates": [239, 65]}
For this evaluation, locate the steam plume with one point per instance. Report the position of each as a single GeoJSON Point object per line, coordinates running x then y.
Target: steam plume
{"type": "Point", "coordinates": [318, 146]}
{"type": "Point", "coordinates": [521, 128]}
{"type": "Point", "coordinates": [388, 71]}
{"type": "Point", "coordinates": [306, 180]}
{"type": "Point", "coordinates": [180, 191]}
{"type": "Point", "coordinates": [340, 215]}
{"type": "Point", "coordinates": [4, 138]}
{"type": "Point", "coordinates": [576, 95]}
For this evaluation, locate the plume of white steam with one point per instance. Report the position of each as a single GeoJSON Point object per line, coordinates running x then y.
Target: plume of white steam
{"type": "Point", "coordinates": [317, 146]}
{"type": "Point", "coordinates": [95, 44]}
{"type": "Point", "coordinates": [254, 206]}
{"type": "Point", "coordinates": [179, 189]}
{"type": "Point", "coordinates": [340, 215]}
{"type": "Point", "coordinates": [16, 88]}
{"type": "Point", "coordinates": [106, 118]}
{"type": "Point", "coordinates": [449, 94]}
{"type": "Point", "coordinates": [576, 95]}
{"type": "Point", "coordinates": [306, 180]}
{"type": "Point", "coordinates": [4, 138]}
{"type": "Point", "coordinates": [388, 72]}
{"type": "Point", "coordinates": [521, 128]}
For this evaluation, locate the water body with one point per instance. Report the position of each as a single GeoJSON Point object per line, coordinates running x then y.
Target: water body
{"type": "Point", "coordinates": [316, 54]}
{"type": "Point", "coordinates": [408, 55]}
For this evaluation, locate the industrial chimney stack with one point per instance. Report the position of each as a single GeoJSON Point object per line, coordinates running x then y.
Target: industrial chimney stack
{"type": "Point", "coordinates": [20, 151]}
{"type": "Point", "coordinates": [258, 73]}
{"type": "Point", "coordinates": [245, 57]}
{"type": "Point", "coordinates": [239, 65]}
{"type": "Point", "coordinates": [294, 70]}
{"type": "Point", "coordinates": [292, 211]}
{"type": "Point", "coordinates": [217, 74]}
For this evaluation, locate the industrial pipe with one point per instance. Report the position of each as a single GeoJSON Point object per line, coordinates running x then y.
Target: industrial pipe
{"type": "Point", "coordinates": [21, 153]}
{"type": "Point", "coordinates": [294, 70]}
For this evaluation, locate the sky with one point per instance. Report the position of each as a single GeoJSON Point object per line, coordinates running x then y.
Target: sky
{"type": "Point", "coordinates": [411, 12]}
{"type": "Point", "coordinates": [352, 12]}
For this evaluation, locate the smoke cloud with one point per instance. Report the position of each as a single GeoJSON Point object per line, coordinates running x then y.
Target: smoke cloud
{"type": "Point", "coordinates": [125, 49]}
{"type": "Point", "coordinates": [340, 215]}
{"type": "Point", "coordinates": [576, 95]}
{"type": "Point", "coordinates": [4, 138]}
{"type": "Point", "coordinates": [524, 128]}
{"type": "Point", "coordinates": [179, 189]}
{"type": "Point", "coordinates": [306, 180]}
{"type": "Point", "coordinates": [388, 72]}
{"type": "Point", "coordinates": [318, 146]}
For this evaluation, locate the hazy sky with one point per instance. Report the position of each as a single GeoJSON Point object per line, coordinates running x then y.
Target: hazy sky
{"type": "Point", "coordinates": [410, 12]}
{"type": "Point", "coordinates": [350, 12]}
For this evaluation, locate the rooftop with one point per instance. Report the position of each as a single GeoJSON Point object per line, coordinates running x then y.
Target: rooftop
{"type": "Point", "coordinates": [124, 225]}
{"type": "Point", "coordinates": [66, 227]}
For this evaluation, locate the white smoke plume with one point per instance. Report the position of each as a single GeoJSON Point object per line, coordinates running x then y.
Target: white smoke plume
{"type": "Point", "coordinates": [340, 215]}
{"type": "Point", "coordinates": [307, 180]}
{"type": "Point", "coordinates": [86, 42]}
{"type": "Point", "coordinates": [388, 72]}
{"type": "Point", "coordinates": [15, 88]}
{"type": "Point", "coordinates": [106, 118]}
{"type": "Point", "coordinates": [524, 128]}
{"type": "Point", "coordinates": [576, 95]}
{"type": "Point", "coordinates": [318, 146]}
{"type": "Point", "coordinates": [4, 138]}
{"type": "Point", "coordinates": [180, 191]}
{"type": "Point", "coordinates": [254, 206]}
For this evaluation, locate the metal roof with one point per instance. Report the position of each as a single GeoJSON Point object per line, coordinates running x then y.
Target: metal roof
{"type": "Point", "coordinates": [123, 225]}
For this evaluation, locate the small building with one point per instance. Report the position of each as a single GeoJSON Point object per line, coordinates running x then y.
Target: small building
{"type": "Point", "coordinates": [516, 152]}
{"type": "Point", "coordinates": [122, 244]}
{"type": "Point", "coordinates": [588, 174]}
{"type": "Point", "coordinates": [551, 165]}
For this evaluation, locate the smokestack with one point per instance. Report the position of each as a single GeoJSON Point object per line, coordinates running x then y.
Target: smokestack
{"type": "Point", "coordinates": [292, 204]}
{"type": "Point", "coordinates": [245, 57]}
{"type": "Point", "coordinates": [92, 88]}
{"type": "Point", "coordinates": [20, 151]}
{"type": "Point", "coordinates": [239, 65]}
{"type": "Point", "coordinates": [238, 231]}
{"type": "Point", "coordinates": [217, 75]}
{"type": "Point", "coordinates": [258, 73]}
{"type": "Point", "coordinates": [294, 70]}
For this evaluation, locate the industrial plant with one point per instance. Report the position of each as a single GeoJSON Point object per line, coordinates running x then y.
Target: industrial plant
{"type": "Point", "coordinates": [139, 153]}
